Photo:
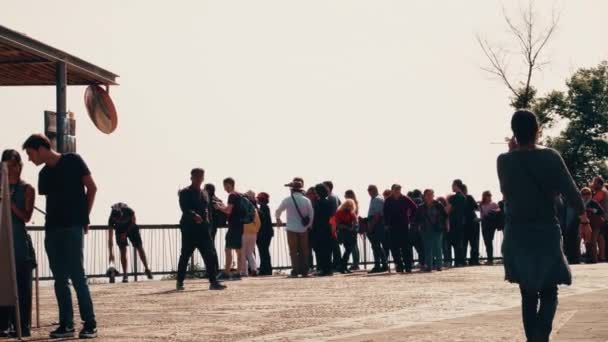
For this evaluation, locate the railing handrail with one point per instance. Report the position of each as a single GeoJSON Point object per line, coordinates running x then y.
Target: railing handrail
{"type": "Point", "coordinates": [143, 226]}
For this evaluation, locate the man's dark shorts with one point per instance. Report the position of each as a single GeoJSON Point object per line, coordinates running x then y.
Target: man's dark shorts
{"type": "Point", "coordinates": [234, 237]}
{"type": "Point", "coordinates": [133, 235]}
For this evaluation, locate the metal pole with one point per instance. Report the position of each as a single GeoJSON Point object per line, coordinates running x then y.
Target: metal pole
{"type": "Point", "coordinates": [365, 252]}
{"type": "Point", "coordinates": [192, 265]}
{"type": "Point", "coordinates": [61, 80]}
{"type": "Point", "coordinates": [135, 263]}
{"type": "Point", "coordinates": [37, 299]}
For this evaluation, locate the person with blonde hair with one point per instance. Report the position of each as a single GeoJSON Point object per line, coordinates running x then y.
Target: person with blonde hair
{"type": "Point", "coordinates": [350, 194]}
{"type": "Point", "coordinates": [346, 220]}
{"type": "Point", "coordinates": [250, 236]}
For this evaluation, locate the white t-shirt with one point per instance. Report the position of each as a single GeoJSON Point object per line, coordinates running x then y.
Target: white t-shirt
{"type": "Point", "coordinates": [294, 221]}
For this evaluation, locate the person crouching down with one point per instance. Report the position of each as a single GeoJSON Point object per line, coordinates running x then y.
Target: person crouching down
{"type": "Point", "coordinates": [122, 221]}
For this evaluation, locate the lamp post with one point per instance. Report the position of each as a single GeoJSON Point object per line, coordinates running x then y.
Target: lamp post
{"type": "Point", "coordinates": [61, 80]}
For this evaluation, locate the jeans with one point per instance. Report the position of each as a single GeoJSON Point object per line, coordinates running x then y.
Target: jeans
{"type": "Point", "coordinates": [24, 290]}
{"type": "Point", "coordinates": [455, 239]}
{"type": "Point", "coordinates": [376, 238]}
{"type": "Point", "coordinates": [64, 248]}
{"type": "Point", "coordinates": [336, 254]}
{"type": "Point", "coordinates": [538, 319]}
{"type": "Point", "coordinates": [349, 240]}
{"type": "Point", "coordinates": [298, 251]}
{"type": "Point", "coordinates": [265, 260]}
{"type": "Point", "coordinates": [322, 246]}
{"type": "Point", "coordinates": [401, 248]}
{"type": "Point", "coordinates": [471, 235]}
{"type": "Point", "coordinates": [197, 237]}
{"type": "Point", "coordinates": [433, 249]}
{"type": "Point", "coordinates": [418, 244]}
{"type": "Point", "coordinates": [488, 231]}
{"type": "Point", "coordinates": [386, 242]}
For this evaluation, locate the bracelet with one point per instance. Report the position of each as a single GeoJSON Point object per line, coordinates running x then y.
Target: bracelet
{"type": "Point", "coordinates": [587, 222]}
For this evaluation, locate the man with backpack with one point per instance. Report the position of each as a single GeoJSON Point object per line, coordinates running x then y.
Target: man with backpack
{"type": "Point", "coordinates": [240, 211]}
{"type": "Point", "coordinates": [299, 221]}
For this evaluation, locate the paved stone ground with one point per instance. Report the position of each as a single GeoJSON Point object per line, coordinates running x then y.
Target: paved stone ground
{"type": "Point", "coordinates": [469, 304]}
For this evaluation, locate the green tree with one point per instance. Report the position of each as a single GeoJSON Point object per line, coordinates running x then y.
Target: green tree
{"type": "Point", "coordinates": [584, 108]}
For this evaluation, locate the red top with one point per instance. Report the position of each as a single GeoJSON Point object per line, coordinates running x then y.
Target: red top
{"type": "Point", "coordinates": [345, 217]}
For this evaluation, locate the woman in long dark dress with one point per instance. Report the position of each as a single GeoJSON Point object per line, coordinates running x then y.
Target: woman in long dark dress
{"type": "Point", "coordinates": [321, 233]}
{"type": "Point", "coordinates": [265, 235]}
{"type": "Point", "coordinates": [530, 178]}
{"type": "Point", "coordinates": [22, 206]}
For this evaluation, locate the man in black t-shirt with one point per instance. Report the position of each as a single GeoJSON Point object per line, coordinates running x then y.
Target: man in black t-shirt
{"type": "Point", "coordinates": [194, 225]}
{"type": "Point", "coordinates": [122, 222]}
{"type": "Point", "coordinates": [234, 235]}
{"type": "Point", "coordinates": [455, 237]}
{"type": "Point", "coordinates": [471, 228]}
{"type": "Point", "coordinates": [70, 191]}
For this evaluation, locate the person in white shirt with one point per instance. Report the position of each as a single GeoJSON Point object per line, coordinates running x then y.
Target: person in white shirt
{"type": "Point", "coordinates": [299, 221]}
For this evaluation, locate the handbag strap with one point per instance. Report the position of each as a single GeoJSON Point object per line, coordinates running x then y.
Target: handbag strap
{"type": "Point", "coordinates": [297, 208]}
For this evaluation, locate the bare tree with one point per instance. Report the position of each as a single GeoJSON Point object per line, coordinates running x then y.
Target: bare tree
{"type": "Point", "coordinates": [531, 41]}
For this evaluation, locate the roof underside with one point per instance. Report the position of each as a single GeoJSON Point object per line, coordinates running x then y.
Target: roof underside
{"type": "Point", "coordinates": [28, 62]}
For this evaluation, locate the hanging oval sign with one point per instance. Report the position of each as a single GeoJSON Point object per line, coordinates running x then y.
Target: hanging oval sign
{"type": "Point", "coordinates": [101, 108]}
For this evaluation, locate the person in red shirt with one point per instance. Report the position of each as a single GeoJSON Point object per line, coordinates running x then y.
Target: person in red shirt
{"type": "Point", "coordinates": [596, 215]}
{"type": "Point", "coordinates": [346, 220]}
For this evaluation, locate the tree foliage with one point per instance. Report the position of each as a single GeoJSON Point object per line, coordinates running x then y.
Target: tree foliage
{"type": "Point", "coordinates": [584, 108]}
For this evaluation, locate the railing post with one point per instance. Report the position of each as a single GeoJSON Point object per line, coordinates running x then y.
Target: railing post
{"type": "Point", "coordinates": [364, 252]}
{"type": "Point", "coordinates": [135, 263]}
{"type": "Point", "coordinates": [192, 265]}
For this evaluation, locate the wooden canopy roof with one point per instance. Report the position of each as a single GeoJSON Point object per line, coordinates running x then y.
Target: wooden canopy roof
{"type": "Point", "coordinates": [27, 62]}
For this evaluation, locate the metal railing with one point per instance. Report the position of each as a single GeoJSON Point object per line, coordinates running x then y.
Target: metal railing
{"type": "Point", "coordinates": [162, 244]}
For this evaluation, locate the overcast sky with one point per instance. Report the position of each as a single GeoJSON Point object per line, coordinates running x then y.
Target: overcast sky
{"type": "Point", "coordinates": [358, 92]}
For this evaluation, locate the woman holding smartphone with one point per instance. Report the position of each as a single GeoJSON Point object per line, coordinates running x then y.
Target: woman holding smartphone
{"type": "Point", "coordinates": [530, 179]}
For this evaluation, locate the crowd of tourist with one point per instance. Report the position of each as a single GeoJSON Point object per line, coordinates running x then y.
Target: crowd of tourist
{"type": "Point", "coordinates": [445, 231]}
{"type": "Point", "coordinates": [542, 212]}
